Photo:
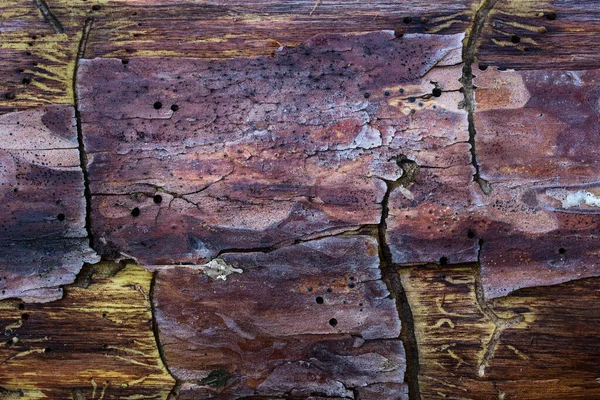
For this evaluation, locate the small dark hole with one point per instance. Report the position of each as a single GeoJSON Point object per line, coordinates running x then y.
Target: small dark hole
{"type": "Point", "coordinates": [515, 39]}
{"type": "Point", "coordinates": [444, 260]}
{"type": "Point", "coordinates": [96, 7]}
{"type": "Point", "coordinates": [26, 81]}
{"type": "Point", "coordinates": [551, 16]}
{"type": "Point", "coordinates": [386, 93]}
{"type": "Point", "coordinates": [367, 95]}
{"type": "Point", "coordinates": [329, 290]}
{"type": "Point", "coordinates": [157, 198]}
{"type": "Point", "coordinates": [125, 61]}
{"type": "Point", "coordinates": [437, 92]}
{"type": "Point", "coordinates": [333, 322]}
{"type": "Point", "coordinates": [174, 107]}
{"type": "Point", "coordinates": [47, 350]}
{"type": "Point", "coordinates": [470, 233]}
{"type": "Point", "coordinates": [412, 99]}
{"type": "Point", "coordinates": [60, 217]}
{"type": "Point", "coordinates": [135, 212]}
{"type": "Point", "coordinates": [562, 250]}
{"type": "Point", "coordinates": [157, 105]}
{"type": "Point", "coordinates": [351, 285]}
{"type": "Point", "coordinates": [398, 33]}
{"type": "Point", "coordinates": [407, 20]}
{"type": "Point", "coordinates": [9, 95]}
{"type": "Point", "coordinates": [319, 300]}
{"type": "Point", "coordinates": [21, 306]}
{"type": "Point", "coordinates": [351, 278]}
{"type": "Point", "coordinates": [25, 316]}
{"type": "Point", "coordinates": [482, 67]}
{"type": "Point", "coordinates": [309, 288]}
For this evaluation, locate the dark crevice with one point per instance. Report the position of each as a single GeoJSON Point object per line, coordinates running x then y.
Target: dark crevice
{"type": "Point", "coordinates": [336, 232]}
{"type": "Point", "coordinates": [49, 17]}
{"type": "Point", "coordinates": [469, 58]}
{"type": "Point", "coordinates": [82, 154]}
{"type": "Point", "coordinates": [392, 279]}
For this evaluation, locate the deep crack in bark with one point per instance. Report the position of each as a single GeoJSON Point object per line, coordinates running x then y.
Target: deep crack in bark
{"type": "Point", "coordinates": [392, 280]}
{"type": "Point", "coordinates": [468, 55]}
{"type": "Point", "coordinates": [82, 154]}
{"type": "Point", "coordinates": [49, 17]}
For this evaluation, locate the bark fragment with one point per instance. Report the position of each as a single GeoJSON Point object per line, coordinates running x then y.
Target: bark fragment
{"type": "Point", "coordinates": [305, 319]}
{"type": "Point", "coordinates": [249, 153]}
{"type": "Point", "coordinates": [43, 242]}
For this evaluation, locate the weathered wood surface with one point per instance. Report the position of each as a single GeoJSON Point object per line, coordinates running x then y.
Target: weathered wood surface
{"type": "Point", "coordinates": [309, 318]}
{"type": "Point", "coordinates": [43, 241]}
{"type": "Point", "coordinates": [96, 342]}
{"type": "Point", "coordinates": [375, 179]}
{"type": "Point", "coordinates": [535, 343]}
{"type": "Point", "coordinates": [548, 34]}
{"type": "Point", "coordinates": [38, 63]}
{"type": "Point", "coordinates": [187, 159]}
{"type": "Point", "coordinates": [537, 148]}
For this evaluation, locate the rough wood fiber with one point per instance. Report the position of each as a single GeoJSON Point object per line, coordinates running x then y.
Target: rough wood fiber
{"type": "Point", "coordinates": [535, 343]}
{"type": "Point", "coordinates": [96, 342]}
{"type": "Point", "coordinates": [550, 34]}
{"type": "Point", "coordinates": [43, 242]}
{"type": "Point", "coordinates": [304, 319]}
{"type": "Point", "coordinates": [190, 159]}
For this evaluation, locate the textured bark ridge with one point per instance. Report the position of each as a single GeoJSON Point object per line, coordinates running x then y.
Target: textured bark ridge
{"type": "Point", "coordinates": [43, 241]}
{"type": "Point", "coordinates": [188, 158]}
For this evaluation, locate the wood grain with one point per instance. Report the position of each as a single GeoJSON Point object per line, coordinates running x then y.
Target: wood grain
{"type": "Point", "coordinates": [549, 34]}
{"type": "Point", "coordinates": [535, 343]}
{"type": "Point", "coordinates": [96, 342]}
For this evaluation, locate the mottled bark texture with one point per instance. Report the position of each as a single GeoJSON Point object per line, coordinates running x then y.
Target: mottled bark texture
{"type": "Point", "coordinates": [43, 242]}
{"type": "Point", "coordinates": [334, 199]}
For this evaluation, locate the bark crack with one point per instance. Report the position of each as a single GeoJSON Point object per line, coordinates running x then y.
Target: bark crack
{"type": "Point", "coordinates": [49, 17]}
{"type": "Point", "coordinates": [469, 50]}
{"type": "Point", "coordinates": [82, 154]}
{"type": "Point", "coordinates": [392, 279]}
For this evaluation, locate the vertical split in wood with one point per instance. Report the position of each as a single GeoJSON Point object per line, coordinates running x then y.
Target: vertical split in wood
{"type": "Point", "coordinates": [470, 48]}
{"type": "Point", "coordinates": [49, 17]}
{"type": "Point", "coordinates": [85, 34]}
{"type": "Point", "coordinates": [392, 280]}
